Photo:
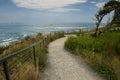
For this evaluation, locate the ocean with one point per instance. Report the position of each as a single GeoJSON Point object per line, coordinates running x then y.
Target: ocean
{"type": "Point", "coordinates": [12, 32]}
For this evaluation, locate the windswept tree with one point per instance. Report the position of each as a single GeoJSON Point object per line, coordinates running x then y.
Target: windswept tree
{"type": "Point", "coordinates": [112, 5]}
{"type": "Point", "coordinates": [116, 17]}
{"type": "Point", "coordinates": [99, 18]}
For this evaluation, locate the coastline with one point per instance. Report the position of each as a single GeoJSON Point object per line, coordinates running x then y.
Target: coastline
{"type": "Point", "coordinates": [14, 32]}
{"type": "Point", "coordinates": [27, 41]}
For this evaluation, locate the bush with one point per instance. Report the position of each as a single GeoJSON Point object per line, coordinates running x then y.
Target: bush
{"type": "Point", "coordinates": [105, 71]}
{"type": "Point", "coordinates": [99, 53]}
{"type": "Point", "coordinates": [39, 36]}
{"type": "Point", "coordinates": [27, 38]}
{"type": "Point", "coordinates": [72, 46]}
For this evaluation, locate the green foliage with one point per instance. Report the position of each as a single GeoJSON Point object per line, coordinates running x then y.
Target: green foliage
{"type": "Point", "coordinates": [42, 59]}
{"type": "Point", "coordinates": [39, 36]}
{"type": "Point", "coordinates": [102, 53]}
{"type": "Point", "coordinates": [56, 35]}
{"type": "Point", "coordinates": [118, 49]}
{"type": "Point", "coordinates": [27, 38]}
{"type": "Point", "coordinates": [111, 5]}
{"type": "Point", "coordinates": [71, 43]}
{"type": "Point", "coordinates": [105, 71]}
{"type": "Point", "coordinates": [99, 45]}
{"type": "Point", "coordinates": [79, 33]}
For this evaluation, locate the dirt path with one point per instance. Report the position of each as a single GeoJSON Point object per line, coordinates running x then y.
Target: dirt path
{"type": "Point", "coordinates": [61, 65]}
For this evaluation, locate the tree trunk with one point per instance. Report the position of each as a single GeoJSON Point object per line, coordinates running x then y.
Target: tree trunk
{"type": "Point", "coordinates": [99, 19]}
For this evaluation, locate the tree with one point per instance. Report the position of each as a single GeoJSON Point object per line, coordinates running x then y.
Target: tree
{"type": "Point", "coordinates": [99, 19]}
{"type": "Point", "coordinates": [112, 5]}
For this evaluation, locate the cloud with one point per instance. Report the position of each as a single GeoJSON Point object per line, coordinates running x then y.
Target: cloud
{"type": "Point", "coordinates": [100, 4]}
{"type": "Point", "coordinates": [64, 10]}
{"type": "Point", "coordinates": [56, 5]}
{"type": "Point", "coordinates": [93, 2]}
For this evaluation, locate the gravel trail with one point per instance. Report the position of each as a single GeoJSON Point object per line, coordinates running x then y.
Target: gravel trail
{"type": "Point", "coordinates": [61, 65]}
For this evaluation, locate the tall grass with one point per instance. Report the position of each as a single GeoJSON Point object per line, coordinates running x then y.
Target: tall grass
{"type": "Point", "coordinates": [29, 72]}
{"type": "Point", "coordinates": [102, 54]}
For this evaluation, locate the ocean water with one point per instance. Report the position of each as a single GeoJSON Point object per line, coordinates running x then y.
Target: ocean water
{"type": "Point", "coordinates": [14, 32]}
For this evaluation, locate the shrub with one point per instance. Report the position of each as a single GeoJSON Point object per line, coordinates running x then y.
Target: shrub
{"type": "Point", "coordinates": [99, 53]}
{"type": "Point", "coordinates": [105, 71]}
{"type": "Point", "coordinates": [39, 36]}
{"type": "Point", "coordinates": [27, 37]}
{"type": "Point", "coordinates": [71, 43]}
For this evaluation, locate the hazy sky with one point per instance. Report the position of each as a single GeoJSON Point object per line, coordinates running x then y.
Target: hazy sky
{"type": "Point", "coordinates": [48, 11]}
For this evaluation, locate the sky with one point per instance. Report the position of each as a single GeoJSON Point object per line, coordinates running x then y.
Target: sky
{"type": "Point", "coordinates": [49, 11]}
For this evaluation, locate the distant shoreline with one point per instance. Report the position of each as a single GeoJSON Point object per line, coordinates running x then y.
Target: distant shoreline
{"type": "Point", "coordinates": [10, 33]}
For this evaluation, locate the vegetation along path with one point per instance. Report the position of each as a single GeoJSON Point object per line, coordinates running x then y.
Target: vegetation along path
{"type": "Point", "coordinates": [61, 65]}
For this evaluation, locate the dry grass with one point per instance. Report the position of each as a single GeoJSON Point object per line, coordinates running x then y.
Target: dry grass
{"type": "Point", "coordinates": [29, 72]}
{"type": "Point", "coordinates": [22, 66]}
